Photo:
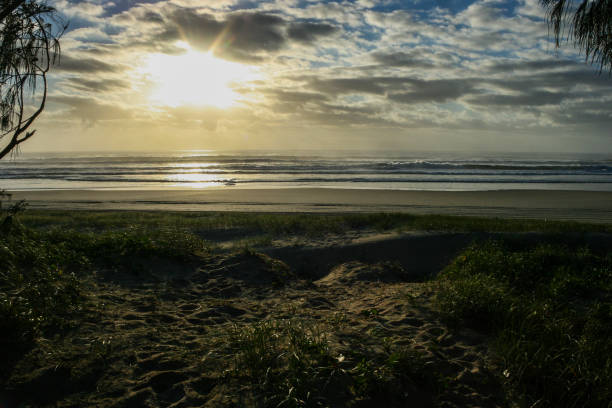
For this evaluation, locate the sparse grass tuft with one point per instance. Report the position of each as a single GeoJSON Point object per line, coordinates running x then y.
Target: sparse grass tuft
{"type": "Point", "coordinates": [550, 308]}
{"type": "Point", "coordinates": [289, 363]}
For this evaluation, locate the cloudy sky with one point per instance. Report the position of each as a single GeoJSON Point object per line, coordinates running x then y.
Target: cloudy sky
{"type": "Point", "coordinates": [299, 74]}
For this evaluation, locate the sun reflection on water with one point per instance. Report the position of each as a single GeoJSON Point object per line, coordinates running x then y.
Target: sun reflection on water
{"type": "Point", "coordinates": [195, 180]}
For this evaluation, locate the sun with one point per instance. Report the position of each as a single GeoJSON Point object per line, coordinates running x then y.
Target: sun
{"type": "Point", "coordinates": [194, 78]}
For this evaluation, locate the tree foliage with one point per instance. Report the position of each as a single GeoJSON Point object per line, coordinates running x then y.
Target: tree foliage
{"type": "Point", "coordinates": [29, 45]}
{"type": "Point", "coordinates": [589, 25]}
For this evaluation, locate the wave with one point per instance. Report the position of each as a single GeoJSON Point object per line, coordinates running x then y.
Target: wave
{"type": "Point", "coordinates": [249, 160]}
{"type": "Point", "coordinates": [287, 170]}
{"type": "Point", "coordinates": [301, 168]}
{"type": "Point", "coordinates": [315, 180]}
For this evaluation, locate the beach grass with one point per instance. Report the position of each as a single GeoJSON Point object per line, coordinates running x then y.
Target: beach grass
{"type": "Point", "coordinates": [549, 308]}
{"type": "Point", "coordinates": [38, 290]}
{"type": "Point", "coordinates": [42, 270]}
{"type": "Point", "coordinates": [292, 223]}
{"type": "Point", "coordinates": [546, 306]}
{"type": "Point", "coordinates": [291, 363]}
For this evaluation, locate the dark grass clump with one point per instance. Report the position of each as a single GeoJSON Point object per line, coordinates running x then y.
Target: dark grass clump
{"type": "Point", "coordinates": [39, 287]}
{"type": "Point", "coordinates": [39, 291]}
{"type": "Point", "coordinates": [42, 273]}
{"type": "Point", "coordinates": [289, 363]}
{"type": "Point", "coordinates": [550, 309]}
{"type": "Point", "coordinates": [120, 249]}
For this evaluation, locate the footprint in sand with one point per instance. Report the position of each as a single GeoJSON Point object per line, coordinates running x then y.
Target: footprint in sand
{"type": "Point", "coordinates": [221, 311]}
{"type": "Point", "coordinates": [166, 385]}
{"type": "Point", "coordinates": [158, 362]}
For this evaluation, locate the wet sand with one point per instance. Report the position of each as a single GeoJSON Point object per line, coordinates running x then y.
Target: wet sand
{"type": "Point", "coordinates": [560, 205]}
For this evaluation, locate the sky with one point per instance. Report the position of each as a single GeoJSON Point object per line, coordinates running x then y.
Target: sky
{"type": "Point", "coordinates": [410, 75]}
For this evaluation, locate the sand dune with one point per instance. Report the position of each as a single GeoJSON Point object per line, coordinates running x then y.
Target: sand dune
{"type": "Point", "coordinates": [162, 332]}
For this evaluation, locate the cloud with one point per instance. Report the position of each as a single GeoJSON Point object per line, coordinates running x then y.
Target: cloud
{"type": "Point", "coordinates": [401, 59]}
{"type": "Point", "coordinates": [533, 98]}
{"type": "Point", "coordinates": [244, 36]}
{"type": "Point", "coordinates": [531, 66]}
{"type": "Point", "coordinates": [310, 32]}
{"type": "Point", "coordinates": [440, 91]}
{"type": "Point", "coordinates": [241, 36]}
{"type": "Point", "coordinates": [84, 65]}
{"type": "Point", "coordinates": [90, 111]}
{"type": "Point", "coordinates": [98, 86]}
{"type": "Point", "coordinates": [406, 90]}
{"type": "Point", "coordinates": [481, 65]}
{"type": "Point", "coordinates": [338, 86]}
{"type": "Point", "coordinates": [294, 97]}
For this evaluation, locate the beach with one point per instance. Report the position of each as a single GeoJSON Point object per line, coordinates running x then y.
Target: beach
{"type": "Point", "coordinates": [588, 206]}
{"type": "Point", "coordinates": [305, 204]}
{"type": "Point", "coordinates": [236, 296]}
{"type": "Point", "coordinates": [223, 309]}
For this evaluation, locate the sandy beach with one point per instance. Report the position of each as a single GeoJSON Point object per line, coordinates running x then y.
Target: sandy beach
{"type": "Point", "coordinates": [587, 206]}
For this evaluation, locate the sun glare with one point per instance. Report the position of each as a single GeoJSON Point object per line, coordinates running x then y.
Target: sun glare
{"type": "Point", "coordinates": [194, 78]}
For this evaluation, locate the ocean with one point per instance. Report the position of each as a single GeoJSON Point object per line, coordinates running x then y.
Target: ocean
{"type": "Point", "coordinates": [379, 170]}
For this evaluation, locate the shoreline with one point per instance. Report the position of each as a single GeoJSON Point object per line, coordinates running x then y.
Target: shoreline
{"type": "Point", "coordinates": [587, 206]}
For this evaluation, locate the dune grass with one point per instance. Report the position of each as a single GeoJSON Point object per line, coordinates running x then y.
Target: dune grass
{"type": "Point", "coordinates": [549, 308]}
{"type": "Point", "coordinates": [290, 363]}
{"type": "Point", "coordinates": [42, 273]}
{"type": "Point", "coordinates": [38, 290]}
{"type": "Point", "coordinates": [275, 224]}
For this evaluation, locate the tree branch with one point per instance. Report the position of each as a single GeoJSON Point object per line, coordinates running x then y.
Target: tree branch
{"type": "Point", "coordinates": [15, 140]}
{"type": "Point", "coordinates": [7, 9]}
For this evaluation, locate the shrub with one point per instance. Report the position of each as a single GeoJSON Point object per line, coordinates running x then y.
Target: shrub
{"type": "Point", "coordinates": [550, 308]}
{"type": "Point", "coordinates": [38, 289]}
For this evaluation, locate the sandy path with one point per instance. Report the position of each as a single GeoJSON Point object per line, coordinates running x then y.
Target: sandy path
{"type": "Point", "coordinates": [574, 205]}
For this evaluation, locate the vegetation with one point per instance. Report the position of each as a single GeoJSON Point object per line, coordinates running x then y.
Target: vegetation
{"type": "Point", "coordinates": [590, 26]}
{"type": "Point", "coordinates": [42, 272]}
{"type": "Point", "coordinates": [550, 310]}
{"type": "Point", "coordinates": [245, 224]}
{"type": "Point", "coordinates": [38, 289]}
{"type": "Point", "coordinates": [547, 307]}
{"type": "Point", "coordinates": [29, 45]}
{"type": "Point", "coordinates": [290, 363]}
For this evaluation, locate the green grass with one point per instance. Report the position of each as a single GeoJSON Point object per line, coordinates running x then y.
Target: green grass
{"type": "Point", "coordinates": [38, 290]}
{"type": "Point", "coordinates": [119, 248]}
{"type": "Point", "coordinates": [548, 306]}
{"type": "Point", "coordinates": [279, 224]}
{"type": "Point", "coordinates": [42, 273]}
{"type": "Point", "coordinates": [290, 363]}
{"type": "Point", "coordinates": [550, 310]}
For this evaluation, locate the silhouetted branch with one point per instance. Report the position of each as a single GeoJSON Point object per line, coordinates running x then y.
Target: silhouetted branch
{"type": "Point", "coordinates": [29, 45]}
